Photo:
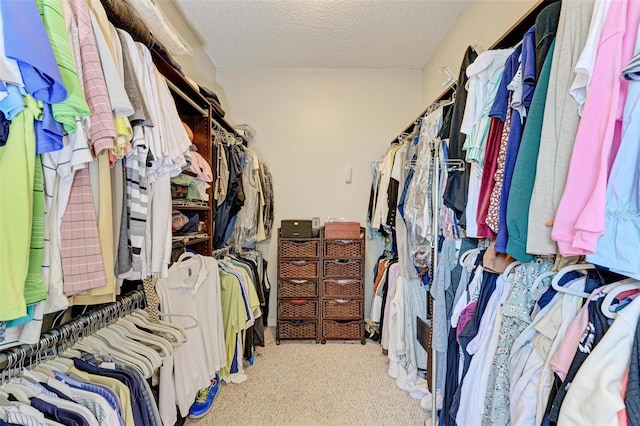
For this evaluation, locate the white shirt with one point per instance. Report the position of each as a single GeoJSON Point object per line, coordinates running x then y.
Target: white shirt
{"type": "Point", "coordinates": [483, 348]}
{"type": "Point", "coordinates": [483, 75]}
{"type": "Point", "coordinates": [587, 59]}
{"type": "Point", "coordinates": [192, 287]}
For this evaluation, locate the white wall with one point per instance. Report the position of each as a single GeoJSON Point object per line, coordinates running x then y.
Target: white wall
{"type": "Point", "coordinates": [484, 21]}
{"type": "Point", "coordinates": [198, 67]}
{"type": "Point", "coordinates": [311, 124]}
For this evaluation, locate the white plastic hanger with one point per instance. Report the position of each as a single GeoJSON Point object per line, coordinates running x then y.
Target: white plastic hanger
{"type": "Point", "coordinates": [577, 267]}
{"type": "Point", "coordinates": [170, 333]}
{"type": "Point", "coordinates": [613, 292]}
{"type": "Point", "coordinates": [119, 354]}
{"type": "Point", "coordinates": [538, 281]}
{"type": "Point", "coordinates": [466, 256]}
{"type": "Point", "coordinates": [40, 376]}
{"type": "Point", "coordinates": [151, 340]}
{"type": "Point", "coordinates": [509, 269]}
{"type": "Point", "coordinates": [141, 319]}
{"type": "Point", "coordinates": [20, 392]}
{"type": "Point", "coordinates": [143, 352]}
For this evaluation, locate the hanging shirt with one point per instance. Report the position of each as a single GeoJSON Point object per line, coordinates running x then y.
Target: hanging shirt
{"type": "Point", "coordinates": [455, 195]}
{"type": "Point", "coordinates": [32, 50]}
{"type": "Point", "coordinates": [595, 395]}
{"type": "Point", "coordinates": [621, 227]}
{"type": "Point", "coordinates": [559, 127]}
{"type": "Point", "coordinates": [17, 164]}
{"type": "Point", "coordinates": [524, 170]}
{"type": "Point", "coordinates": [520, 106]}
{"type": "Point", "coordinates": [580, 219]}
{"type": "Point", "coordinates": [66, 111]}
{"type": "Point", "coordinates": [193, 287]}
{"type": "Point", "coordinates": [587, 59]}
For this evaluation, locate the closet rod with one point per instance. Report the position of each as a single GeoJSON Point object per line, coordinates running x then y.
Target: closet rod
{"type": "Point", "coordinates": [52, 338]}
{"type": "Point", "coordinates": [186, 98]}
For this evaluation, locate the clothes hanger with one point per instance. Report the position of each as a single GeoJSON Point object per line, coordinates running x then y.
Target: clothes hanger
{"type": "Point", "coordinates": [149, 339]}
{"type": "Point", "coordinates": [577, 267]}
{"type": "Point", "coordinates": [538, 281]}
{"type": "Point", "coordinates": [145, 352]}
{"type": "Point", "coordinates": [466, 255]}
{"type": "Point", "coordinates": [180, 329]}
{"type": "Point", "coordinates": [113, 336]}
{"type": "Point", "coordinates": [509, 269]}
{"type": "Point", "coordinates": [119, 354]}
{"type": "Point", "coordinates": [613, 292]}
{"type": "Point", "coordinates": [178, 336]}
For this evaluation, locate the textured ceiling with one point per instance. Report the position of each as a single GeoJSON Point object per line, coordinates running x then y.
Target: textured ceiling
{"type": "Point", "coordinates": [321, 33]}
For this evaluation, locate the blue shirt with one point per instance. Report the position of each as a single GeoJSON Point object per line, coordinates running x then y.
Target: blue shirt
{"type": "Point", "coordinates": [515, 133]}
{"type": "Point", "coordinates": [501, 102]}
{"type": "Point", "coordinates": [13, 103]}
{"type": "Point", "coordinates": [140, 414]}
{"type": "Point", "coordinates": [49, 132]}
{"type": "Point", "coordinates": [26, 41]}
{"type": "Point", "coordinates": [88, 387]}
{"type": "Point", "coordinates": [59, 415]}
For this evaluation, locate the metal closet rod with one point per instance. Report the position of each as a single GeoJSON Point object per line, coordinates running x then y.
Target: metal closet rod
{"type": "Point", "coordinates": [125, 305]}
{"type": "Point", "coordinates": [186, 98]}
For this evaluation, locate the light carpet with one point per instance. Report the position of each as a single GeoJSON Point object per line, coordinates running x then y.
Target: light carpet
{"type": "Point", "coordinates": [303, 383]}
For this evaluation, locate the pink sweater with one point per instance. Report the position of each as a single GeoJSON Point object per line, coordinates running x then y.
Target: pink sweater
{"type": "Point", "coordinates": [580, 219]}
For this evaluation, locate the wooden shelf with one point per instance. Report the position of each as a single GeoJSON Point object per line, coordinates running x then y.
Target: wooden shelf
{"type": "Point", "coordinates": [196, 241]}
{"type": "Point", "coordinates": [193, 208]}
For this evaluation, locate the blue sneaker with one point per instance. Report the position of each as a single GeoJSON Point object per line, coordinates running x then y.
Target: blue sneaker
{"type": "Point", "coordinates": [204, 399]}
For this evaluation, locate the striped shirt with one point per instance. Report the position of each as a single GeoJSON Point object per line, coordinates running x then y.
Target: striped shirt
{"type": "Point", "coordinates": [102, 131]}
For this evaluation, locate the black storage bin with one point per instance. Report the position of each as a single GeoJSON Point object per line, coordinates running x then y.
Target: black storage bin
{"type": "Point", "coordinates": [295, 229]}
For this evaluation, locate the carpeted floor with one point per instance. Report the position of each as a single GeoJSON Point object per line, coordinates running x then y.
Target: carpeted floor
{"type": "Point", "coordinates": [303, 383]}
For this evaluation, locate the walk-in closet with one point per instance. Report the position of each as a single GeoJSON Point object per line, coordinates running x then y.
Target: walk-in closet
{"type": "Point", "coordinates": [319, 212]}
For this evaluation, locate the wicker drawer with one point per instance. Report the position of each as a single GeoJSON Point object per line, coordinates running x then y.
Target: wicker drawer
{"type": "Point", "coordinates": [299, 269]}
{"type": "Point", "coordinates": [299, 248]}
{"type": "Point", "coordinates": [346, 289]}
{"type": "Point", "coordinates": [343, 248]}
{"type": "Point", "coordinates": [342, 309]}
{"type": "Point", "coordinates": [297, 329]}
{"type": "Point", "coordinates": [342, 329]}
{"type": "Point", "coordinates": [298, 288]}
{"type": "Point", "coordinates": [297, 308]}
{"type": "Point", "coordinates": [343, 268]}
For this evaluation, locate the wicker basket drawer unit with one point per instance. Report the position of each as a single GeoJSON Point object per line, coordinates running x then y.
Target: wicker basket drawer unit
{"type": "Point", "coordinates": [343, 289]}
{"type": "Point", "coordinates": [350, 249]}
{"type": "Point", "coordinates": [342, 309]}
{"type": "Point", "coordinates": [299, 269]}
{"type": "Point", "coordinates": [299, 248]}
{"type": "Point", "coordinates": [347, 330]}
{"type": "Point", "coordinates": [301, 288]}
{"type": "Point", "coordinates": [298, 309]}
{"type": "Point", "coordinates": [343, 268]}
{"type": "Point", "coordinates": [298, 329]}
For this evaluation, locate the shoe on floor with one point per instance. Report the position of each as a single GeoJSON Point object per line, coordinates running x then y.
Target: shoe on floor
{"type": "Point", "coordinates": [419, 391]}
{"type": "Point", "coordinates": [204, 399]}
{"type": "Point", "coordinates": [427, 402]}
